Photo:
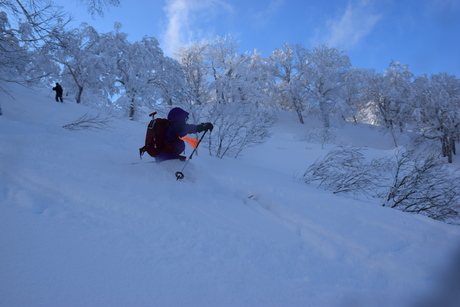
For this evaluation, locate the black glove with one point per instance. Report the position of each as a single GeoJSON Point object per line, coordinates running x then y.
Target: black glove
{"type": "Point", "coordinates": [204, 127]}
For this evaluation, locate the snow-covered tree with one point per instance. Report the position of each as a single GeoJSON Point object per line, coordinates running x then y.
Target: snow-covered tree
{"type": "Point", "coordinates": [436, 109]}
{"type": "Point", "coordinates": [396, 103]}
{"type": "Point", "coordinates": [389, 98]}
{"type": "Point", "coordinates": [323, 74]}
{"type": "Point", "coordinates": [239, 89]}
{"type": "Point", "coordinates": [80, 54]}
{"type": "Point", "coordinates": [371, 96]}
{"type": "Point", "coordinates": [237, 127]}
{"type": "Point", "coordinates": [257, 84]}
{"type": "Point", "coordinates": [13, 57]}
{"type": "Point", "coordinates": [289, 93]}
{"type": "Point", "coordinates": [34, 21]}
{"type": "Point", "coordinates": [354, 106]}
{"type": "Point", "coordinates": [424, 185]}
{"type": "Point", "coordinates": [196, 79]}
{"type": "Point", "coordinates": [345, 170]}
{"type": "Point", "coordinates": [247, 115]}
{"type": "Point", "coordinates": [415, 184]}
{"type": "Point", "coordinates": [143, 75]}
{"type": "Point", "coordinates": [24, 27]}
{"type": "Point", "coordinates": [169, 81]}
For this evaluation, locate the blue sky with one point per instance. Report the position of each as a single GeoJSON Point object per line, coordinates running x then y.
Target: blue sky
{"type": "Point", "coordinates": [424, 34]}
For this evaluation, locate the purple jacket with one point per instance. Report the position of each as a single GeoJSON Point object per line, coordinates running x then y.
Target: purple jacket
{"type": "Point", "coordinates": [178, 127]}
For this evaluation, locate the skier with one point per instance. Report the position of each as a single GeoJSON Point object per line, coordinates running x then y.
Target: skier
{"type": "Point", "coordinates": [178, 127]}
{"type": "Point", "coordinates": [58, 89]}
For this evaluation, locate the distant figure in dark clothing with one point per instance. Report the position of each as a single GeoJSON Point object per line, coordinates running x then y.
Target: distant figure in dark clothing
{"type": "Point", "coordinates": [58, 89]}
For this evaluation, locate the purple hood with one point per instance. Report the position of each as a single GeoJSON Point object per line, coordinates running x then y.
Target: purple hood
{"type": "Point", "coordinates": [178, 115]}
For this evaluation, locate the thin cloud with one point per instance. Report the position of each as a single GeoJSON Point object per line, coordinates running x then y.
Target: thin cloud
{"type": "Point", "coordinates": [182, 25]}
{"type": "Point", "coordinates": [262, 18]}
{"type": "Point", "coordinates": [351, 27]}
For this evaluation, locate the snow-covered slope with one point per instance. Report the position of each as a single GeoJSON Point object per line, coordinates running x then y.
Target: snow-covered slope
{"type": "Point", "coordinates": [84, 222]}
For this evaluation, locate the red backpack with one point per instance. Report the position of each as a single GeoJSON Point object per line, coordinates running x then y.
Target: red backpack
{"type": "Point", "coordinates": [154, 138]}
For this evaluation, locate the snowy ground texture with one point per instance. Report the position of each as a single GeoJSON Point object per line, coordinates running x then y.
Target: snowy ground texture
{"type": "Point", "coordinates": [84, 222]}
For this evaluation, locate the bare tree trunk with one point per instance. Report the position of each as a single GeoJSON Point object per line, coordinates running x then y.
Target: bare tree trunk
{"type": "Point", "coordinates": [131, 109]}
{"type": "Point", "coordinates": [299, 114]}
{"type": "Point", "coordinates": [444, 145]}
{"type": "Point", "coordinates": [448, 147]}
{"type": "Point", "coordinates": [298, 110]}
{"type": "Point", "coordinates": [325, 114]}
{"type": "Point", "coordinates": [79, 93]}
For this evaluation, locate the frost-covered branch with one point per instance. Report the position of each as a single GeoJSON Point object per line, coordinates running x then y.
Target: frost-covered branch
{"type": "Point", "coordinates": [424, 186]}
{"type": "Point", "coordinates": [89, 122]}
{"type": "Point", "coordinates": [345, 170]}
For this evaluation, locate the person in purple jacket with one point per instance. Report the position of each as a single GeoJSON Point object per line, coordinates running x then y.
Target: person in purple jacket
{"type": "Point", "coordinates": [178, 127]}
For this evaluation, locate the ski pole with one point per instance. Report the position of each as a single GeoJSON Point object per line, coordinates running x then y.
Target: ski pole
{"type": "Point", "coordinates": [180, 175]}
